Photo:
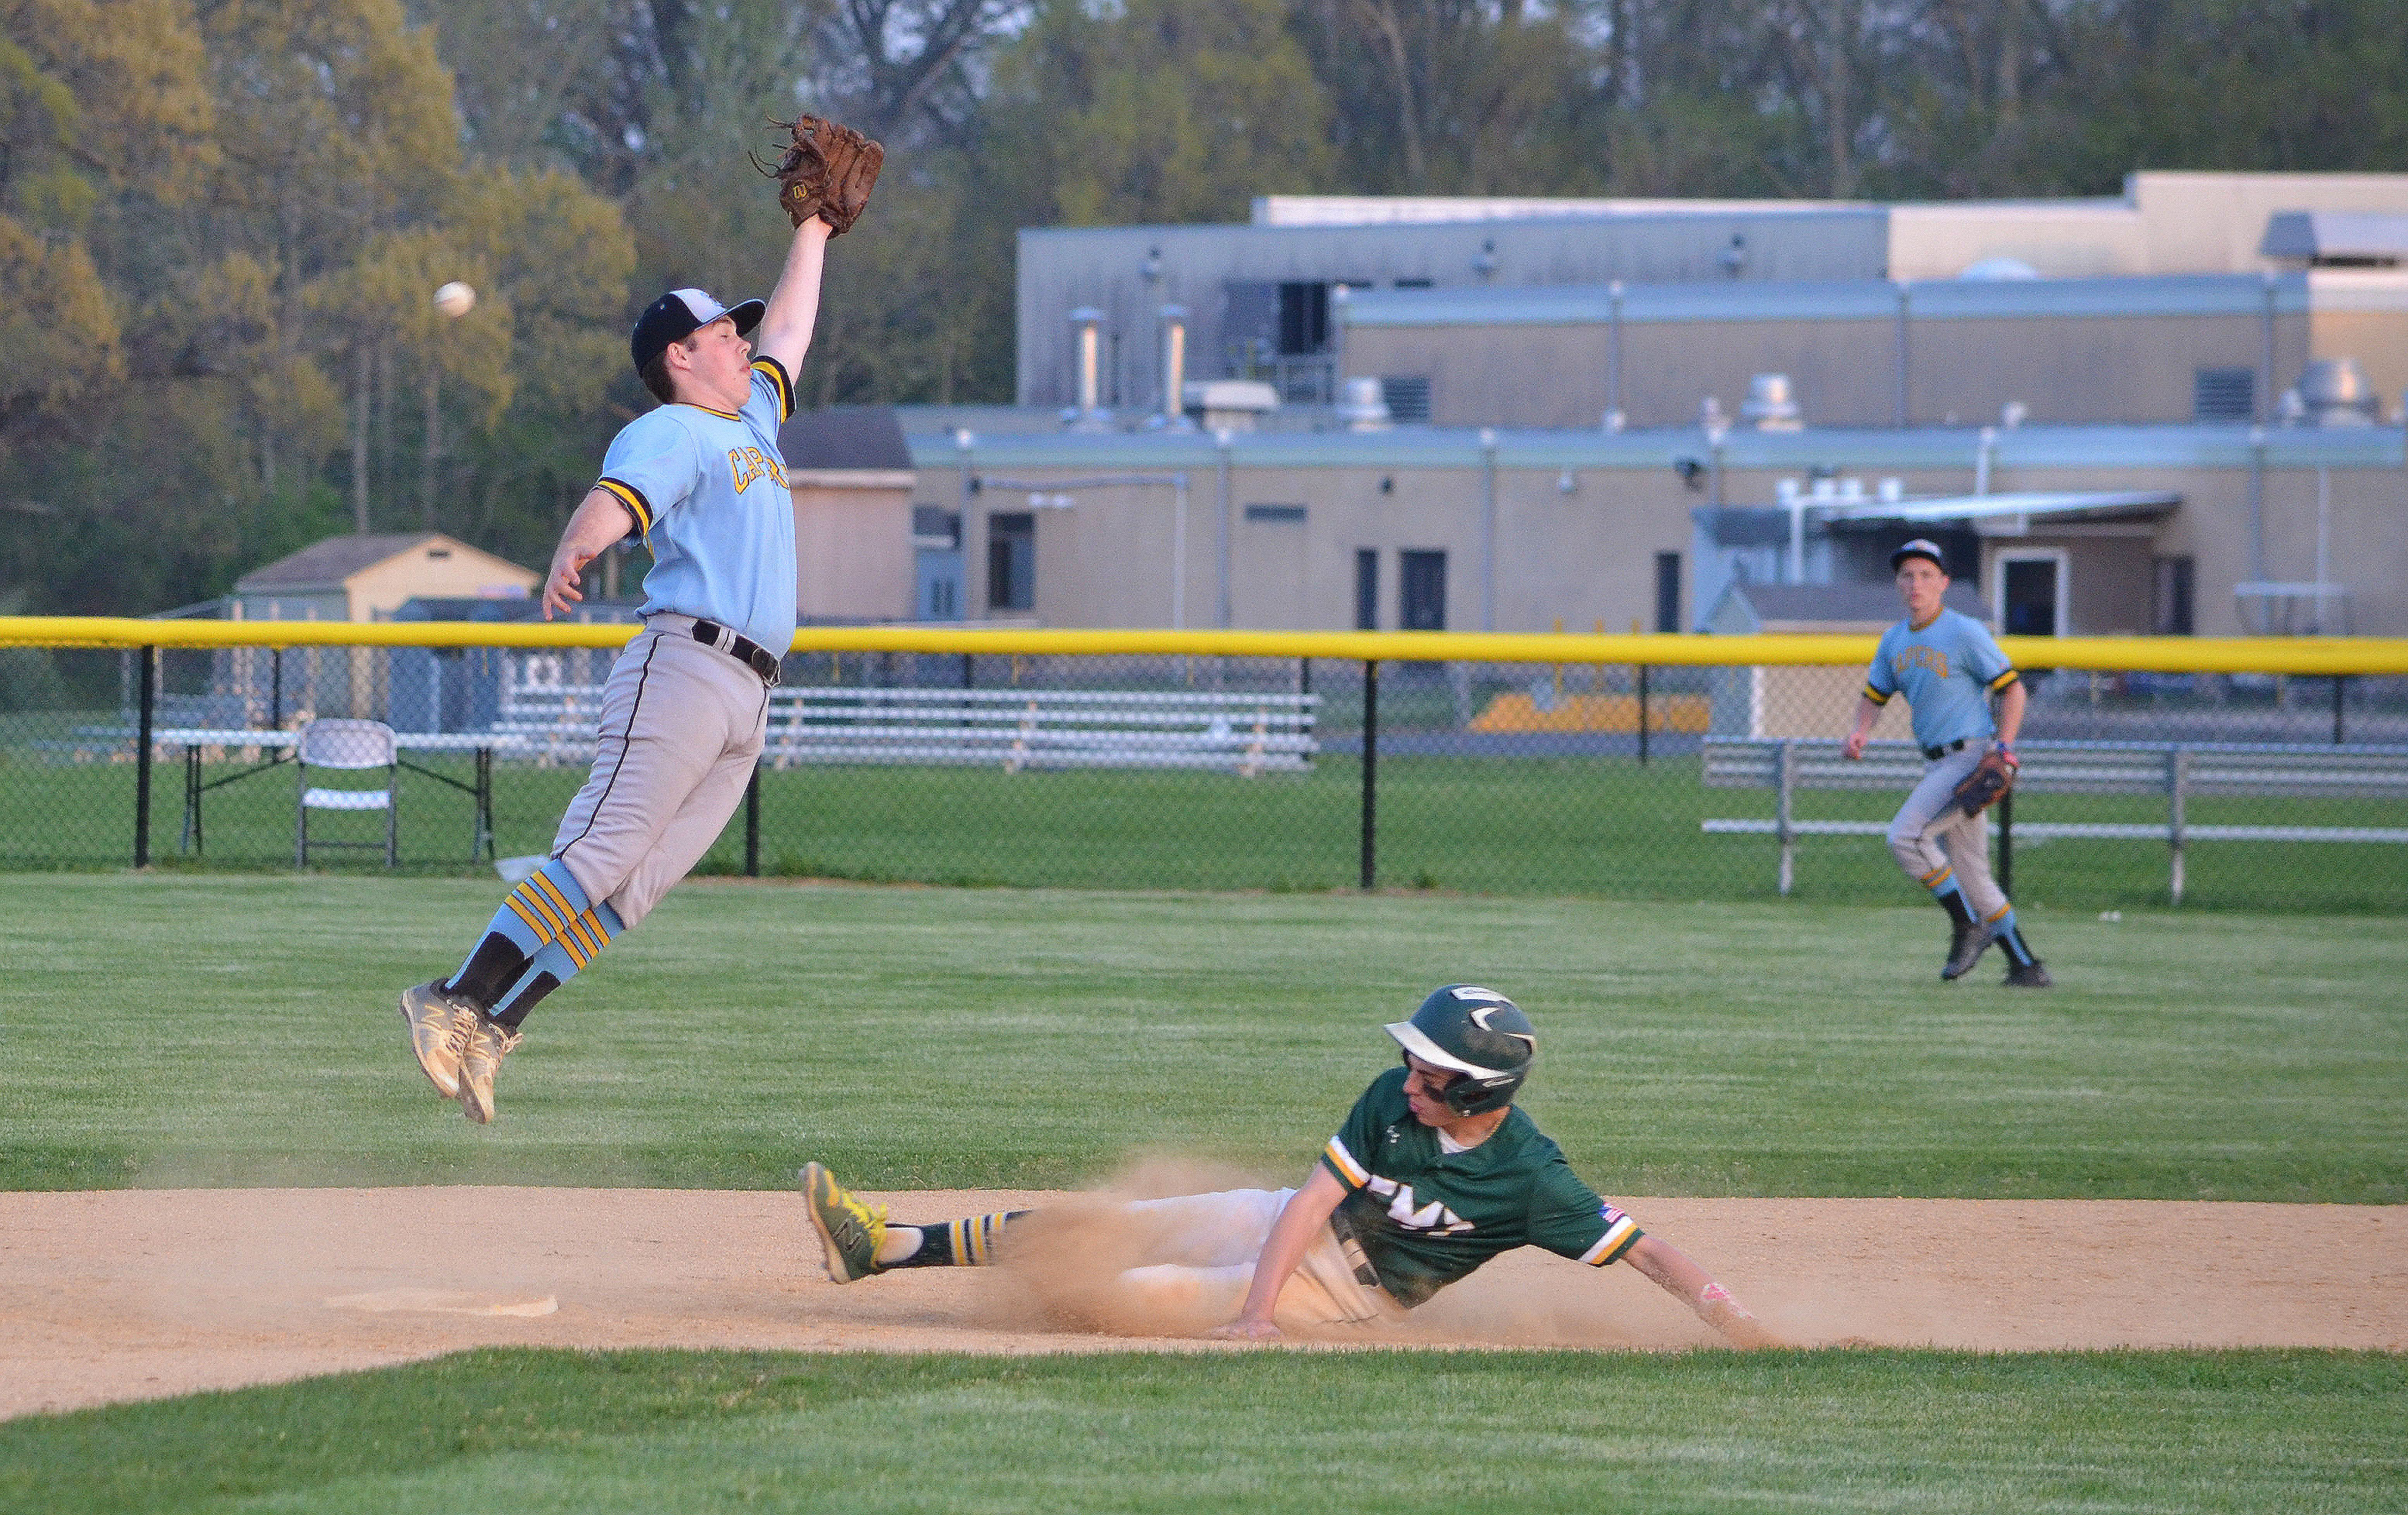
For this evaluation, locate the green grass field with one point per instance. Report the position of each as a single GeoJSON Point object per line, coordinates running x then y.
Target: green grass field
{"type": "Point", "coordinates": [237, 1029]}
{"type": "Point", "coordinates": [1307, 1432]}
{"type": "Point", "coordinates": [1536, 827]}
{"type": "Point", "coordinates": [234, 1029]}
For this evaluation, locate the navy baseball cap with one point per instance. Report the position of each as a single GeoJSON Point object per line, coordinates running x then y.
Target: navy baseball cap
{"type": "Point", "coordinates": [679, 314]}
{"type": "Point", "coordinates": [1922, 546]}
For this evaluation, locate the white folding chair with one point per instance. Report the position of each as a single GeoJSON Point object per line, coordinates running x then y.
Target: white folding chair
{"type": "Point", "coordinates": [347, 746]}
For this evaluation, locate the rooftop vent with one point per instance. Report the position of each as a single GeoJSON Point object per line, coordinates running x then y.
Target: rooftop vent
{"type": "Point", "coordinates": [2333, 392]}
{"type": "Point", "coordinates": [1365, 408]}
{"type": "Point", "coordinates": [1772, 406]}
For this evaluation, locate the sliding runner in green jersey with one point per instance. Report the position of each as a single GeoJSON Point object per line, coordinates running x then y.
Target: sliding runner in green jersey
{"type": "Point", "coordinates": [1433, 1173]}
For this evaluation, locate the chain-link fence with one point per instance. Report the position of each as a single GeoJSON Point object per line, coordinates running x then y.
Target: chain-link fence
{"type": "Point", "coordinates": [1287, 773]}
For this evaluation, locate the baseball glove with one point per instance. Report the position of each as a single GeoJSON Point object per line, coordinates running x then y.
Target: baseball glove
{"type": "Point", "coordinates": [827, 172]}
{"type": "Point", "coordinates": [1991, 778]}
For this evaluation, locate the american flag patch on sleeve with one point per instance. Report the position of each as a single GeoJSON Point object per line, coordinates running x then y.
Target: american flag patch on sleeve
{"type": "Point", "coordinates": [1620, 1232]}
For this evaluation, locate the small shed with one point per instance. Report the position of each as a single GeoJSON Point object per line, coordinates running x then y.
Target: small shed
{"type": "Point", "coordinates": [1764, 701]}
{"type": "Point", "coordinates": [851, 476]}
{"type": "Point", "coordinates": [368, 576]}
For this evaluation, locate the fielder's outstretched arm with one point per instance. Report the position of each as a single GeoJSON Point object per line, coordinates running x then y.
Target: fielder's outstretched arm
{"type": "Point", "coordinates": [1676, 1275]}
{"type": "Point", "coordinates": [600, 522]}
{"type": "Point", "coordinates": [785, 330]}
{"type": "Point", "coordinates": [1291, 1235]}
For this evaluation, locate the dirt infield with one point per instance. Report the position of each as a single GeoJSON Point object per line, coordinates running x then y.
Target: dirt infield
{"type": "Point", "coordinates": [132, 1295]}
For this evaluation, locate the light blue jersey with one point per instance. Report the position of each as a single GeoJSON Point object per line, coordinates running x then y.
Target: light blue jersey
{"type": "Point", "coordinates": [708, 492]}
{"type": "Point", "coordinates": [1947, 670]}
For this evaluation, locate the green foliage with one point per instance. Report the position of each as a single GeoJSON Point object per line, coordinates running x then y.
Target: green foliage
{"type": "Point", "coordinates": [1159, 111]}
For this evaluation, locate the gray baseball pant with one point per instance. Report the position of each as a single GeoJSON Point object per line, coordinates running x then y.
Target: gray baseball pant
{"type": "Point", "coordinates": [1929, 834]}
{"type": "Point", "coordinates": [681, 729]}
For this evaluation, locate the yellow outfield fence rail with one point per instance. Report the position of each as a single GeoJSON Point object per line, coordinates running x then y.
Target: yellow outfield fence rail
{"type": "Point", "coordinates": [2316, 656]}
{"type": "Point", "coordinates": [2268, 773]}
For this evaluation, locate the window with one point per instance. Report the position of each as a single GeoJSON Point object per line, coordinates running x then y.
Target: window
{"type": "Point", "coordinates": [1422, 605]}
{"type": "Point", "coordinates": [1667, 591]}
{"type": "Point", "coordinates": [2223, 394]}
{"type": "Point", "coordinates": [1288, 513]}
{"type": "Point", "coordinates": [1367, 589]}
{"type": "Point", "coordinates": [1303, 319]}
{"type": "Point", "coordinates": [1011, 562]}
{"type": "Point", "coordinates": [2173, 614]}
{"type": "Point", "coordinates": [1408, 397]}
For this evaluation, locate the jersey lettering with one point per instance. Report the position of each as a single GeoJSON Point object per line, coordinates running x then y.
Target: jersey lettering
{"type": "Point", "coordinates": [1433, 1217]}
{"type": "Point", "coordinates": [747, 464]}
{"type": "Point", "coordinates": [1929, 657]}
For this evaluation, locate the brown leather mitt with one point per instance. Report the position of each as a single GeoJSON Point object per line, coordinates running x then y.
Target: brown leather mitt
{"type": "Point", "coordinates": [1993, 776]}
{"type": "Point", "coordinates": [828, 171]}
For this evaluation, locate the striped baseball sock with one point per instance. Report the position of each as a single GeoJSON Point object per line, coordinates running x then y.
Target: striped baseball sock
{"type": "Point", "coordinates": [964, 1243]}
{"type": "Point", "coordinates": [544, 931]}
{"type": "Point", "coordinates": [2011, 938]}
{"type": "Point", "coordinates": [1950, 897]}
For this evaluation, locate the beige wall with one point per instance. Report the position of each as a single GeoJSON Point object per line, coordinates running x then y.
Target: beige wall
{"type": "Point", "coordinates": [2064, 239]}
{"type": "Point", "coordinates": [440, 568]}
{"type": "Point", "coordinates": [2081, 369]}
{"type": "Point", "coordinates": [853, 552]}
{"type": "Point", "coordinates": [1589, 555]}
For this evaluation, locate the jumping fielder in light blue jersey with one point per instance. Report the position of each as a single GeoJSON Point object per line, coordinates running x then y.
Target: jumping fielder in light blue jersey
{"type": "Point", "coordinates": [1947, 665]}
{"type": "Point", "coordinates": [683, 711]}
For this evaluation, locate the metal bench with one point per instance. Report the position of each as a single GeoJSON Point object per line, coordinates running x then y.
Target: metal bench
{"type": "Point", "coordinates": [2180, 771]}
{"type": "Point", "coordinates": [1012, 729]}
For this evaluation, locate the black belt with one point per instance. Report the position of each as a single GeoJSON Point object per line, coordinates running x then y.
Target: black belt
{"type": "Point", "coordinates": [760, 659]}
{"type": "Point", "coordinates": [1935, 753]}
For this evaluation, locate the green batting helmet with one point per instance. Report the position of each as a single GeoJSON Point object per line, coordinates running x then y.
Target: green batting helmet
{"type": "Point", "coordinates": [1477, 1033]}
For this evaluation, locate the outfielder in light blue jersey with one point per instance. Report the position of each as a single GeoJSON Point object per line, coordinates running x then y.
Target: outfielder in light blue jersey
{"type": "Point", "coordinates": [1948, 666]}
{"type": "Point", "coordinates": [685, 709]}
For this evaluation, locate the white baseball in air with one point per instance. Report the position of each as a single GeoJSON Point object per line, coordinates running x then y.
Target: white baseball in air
{"type": "Point", "coordinates": [454, 299]}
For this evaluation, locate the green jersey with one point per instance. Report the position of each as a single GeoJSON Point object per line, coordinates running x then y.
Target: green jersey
{"type": "Point", "coordinates": [1426, 1215]}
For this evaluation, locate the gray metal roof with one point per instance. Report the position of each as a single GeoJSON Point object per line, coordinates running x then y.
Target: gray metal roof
{"type": "Point", "coordinates": [931, 438]}
{"type": "Point", "coordinates": [1927, 299]}
{"type": "Point", "coordinates": [845, 438]}
{"type": "Point", "coordinates": [326, 563]}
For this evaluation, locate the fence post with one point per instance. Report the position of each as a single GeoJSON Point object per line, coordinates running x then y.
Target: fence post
{"type": "Point", "coordinates": [1370, 766]}
{"type": "Point", "coordinates": [1642, 715]}
{"type": "Point", "coordinates": [142, 760]}
{"type": "Point", "coordinates": [2178, 790]}
{"type": "Point", "coordinates": [2007, 843]}
{"type": "Point", "coordinates": [2338, 679]}
{"type": "Point", "coordinates": [1788, 788]}
{"type": "Point", "coordinates": [752, 822]}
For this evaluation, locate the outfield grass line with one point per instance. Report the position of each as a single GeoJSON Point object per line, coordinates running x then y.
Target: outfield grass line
{"type": "Point", "coordinates": [227, 1030]}
{"type": "Point", "coordinates": [1279, 1431]}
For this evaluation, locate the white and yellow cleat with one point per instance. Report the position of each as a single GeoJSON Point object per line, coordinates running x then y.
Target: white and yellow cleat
{"type": "Point", "coordinates": [850, 1231]}
{"type": "Point", "coordinates": [438, 1033]}
{"type": "Point", "coordinates": [487, 1042]}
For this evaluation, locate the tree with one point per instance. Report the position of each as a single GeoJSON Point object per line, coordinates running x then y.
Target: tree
{"type": "Point", "coordinates": [1158, 111]}
{"type": "Point", "coordinates": [92, 92]}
